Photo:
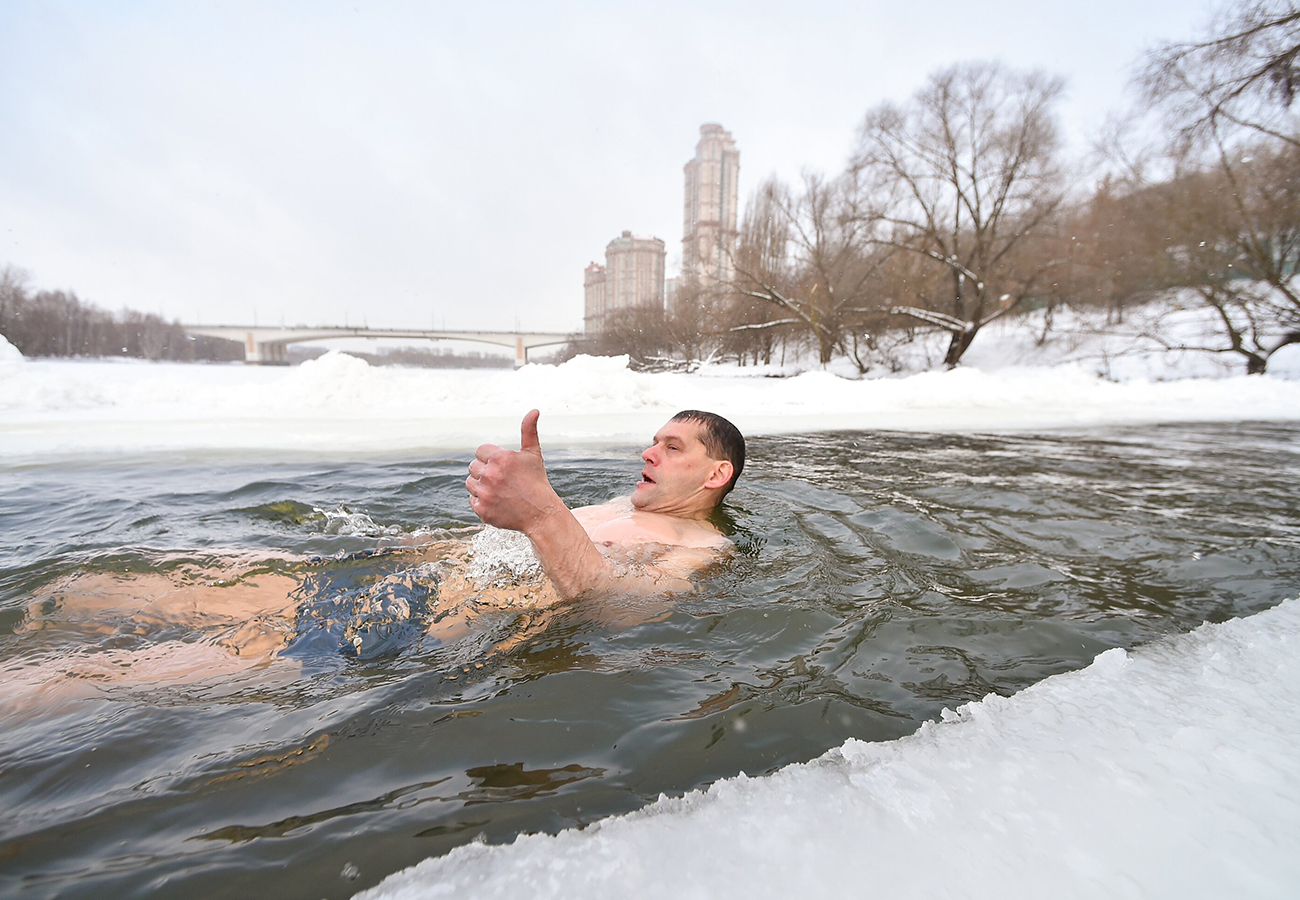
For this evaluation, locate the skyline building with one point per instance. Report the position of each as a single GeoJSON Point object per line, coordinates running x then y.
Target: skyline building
{"type": "Point", "coordinates": [709, 232]}
{"type": "Point", "coordinates": [593, 284]}
{"type": "Point", "coordinates": [631, 278]}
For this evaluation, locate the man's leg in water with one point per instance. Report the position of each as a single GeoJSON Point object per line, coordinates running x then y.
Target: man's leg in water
{"type": "Point", "coordinates": [244, 611]}
{"type": "Point", "coordinates": [240, 611]}
{"type": "Point", "coordinates": [242, 605]}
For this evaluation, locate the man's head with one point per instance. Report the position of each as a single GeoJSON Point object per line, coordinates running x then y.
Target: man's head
{"type": "Point", "coordinates": [693, 463]}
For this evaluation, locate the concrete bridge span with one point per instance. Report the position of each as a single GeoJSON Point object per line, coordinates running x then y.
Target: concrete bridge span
{"type": "Point", "coordinates": [267, 345]}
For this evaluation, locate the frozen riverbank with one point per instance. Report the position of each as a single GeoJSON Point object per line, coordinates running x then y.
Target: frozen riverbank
{"type": "Point", "coordinates": [340, 404]}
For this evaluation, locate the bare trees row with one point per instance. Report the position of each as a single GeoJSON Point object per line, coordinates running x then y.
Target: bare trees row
{"type": "Point", "coordinates": [57, 323]}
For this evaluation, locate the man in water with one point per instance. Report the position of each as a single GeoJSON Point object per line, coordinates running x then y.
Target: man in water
{"type": "Point", "coordinates": [250, 609]}
{"type": "Point", "coordinates": [692, 464]}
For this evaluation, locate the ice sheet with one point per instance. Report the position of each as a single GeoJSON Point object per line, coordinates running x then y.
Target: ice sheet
{"type": "Point", "coordinates": [1170, 771]}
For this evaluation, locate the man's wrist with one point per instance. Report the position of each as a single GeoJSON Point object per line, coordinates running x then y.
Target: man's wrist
{"type": "Point", "coordinates": [543, 517]}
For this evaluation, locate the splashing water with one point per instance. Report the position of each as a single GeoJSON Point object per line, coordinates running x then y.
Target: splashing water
{"type": "Point", "coordinates": [500, 556]}
{"type": "Point", "coordinates": [340, 521]}
{"type": "Point", "coordinates": [373, 603]}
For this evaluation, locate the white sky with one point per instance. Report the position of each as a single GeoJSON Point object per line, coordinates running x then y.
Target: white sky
{"type": "Point", "coordinates": [449, 164]}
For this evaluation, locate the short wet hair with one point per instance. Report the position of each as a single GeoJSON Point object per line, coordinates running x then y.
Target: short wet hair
{"type": "Point", "coordinates": [721, 440]}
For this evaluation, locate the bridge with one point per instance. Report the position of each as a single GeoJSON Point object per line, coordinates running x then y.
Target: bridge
{"type": "Point", "coordinates": [270, 345]}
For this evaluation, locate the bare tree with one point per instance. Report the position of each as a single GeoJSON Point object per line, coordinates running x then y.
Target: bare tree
{"type": "Point", "coordinates": [1237, 226]}
{"type": "Point", "coordinates": [691, 324]}
{"type": "Point", "coordinates": [964, 176]}
{"type": "Point", "coordinates": [1118, 247]}
{"type": "Point", "coordinates": [13, 294]}
{"type": "Point", "coordinates": [640, 332]}
{"type": "Point", "coordinates": [1231, 200]}
{"type": "Point", "coordinates": [1244, 73]}
{"type": "Point", "coordinates": [809, 256]}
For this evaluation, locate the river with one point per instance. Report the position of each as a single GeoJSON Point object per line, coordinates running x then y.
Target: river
{"type": "Point", "coordinates": [880, 577]}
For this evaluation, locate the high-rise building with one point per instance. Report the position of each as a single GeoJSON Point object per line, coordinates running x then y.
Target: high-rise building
{"type": "Point", "coordinates": [634, 273]}
{"type": "Point", "coordinates": [632, 278]}
{"type": "Point", "coordinates": [671, 287]}
{"type": "Point", "coordinates": [709, 237]}
{"type": "Point", "coordinates": [593, 283]}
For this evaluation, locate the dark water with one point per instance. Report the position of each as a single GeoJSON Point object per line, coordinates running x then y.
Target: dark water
{"type": "Point", "coordinates": [881, 578]}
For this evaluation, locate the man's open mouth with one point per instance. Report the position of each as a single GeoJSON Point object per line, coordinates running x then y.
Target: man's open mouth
{"type": "Point", "coordinates": [646, 479]}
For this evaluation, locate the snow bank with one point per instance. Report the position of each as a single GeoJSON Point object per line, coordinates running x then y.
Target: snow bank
{"type": "Point", "coordinates": [1167, 772]}
{"type": "Point", "coordinates": [1135, 347]}
{"type": "Point", "coordinates": [340, 404]}
{"type": "Point", "coordinates": [8, 352]}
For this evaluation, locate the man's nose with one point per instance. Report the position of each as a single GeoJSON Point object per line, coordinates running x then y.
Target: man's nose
{"type": "Point", "coordinates": [646, 454]}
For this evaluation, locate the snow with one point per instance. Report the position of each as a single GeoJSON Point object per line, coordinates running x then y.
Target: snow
{"type": "Point", "coordinates": [1170, 771]}
{"type": "Point", "coordinates": [339, 404]}
{"type": "Point", "coordinates": [8, 352]}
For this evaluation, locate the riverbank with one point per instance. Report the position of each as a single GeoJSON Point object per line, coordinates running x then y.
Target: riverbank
{"type": "Point", "coordinates": [339, 405]}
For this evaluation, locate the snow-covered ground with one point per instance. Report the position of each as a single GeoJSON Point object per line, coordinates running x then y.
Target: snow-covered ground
{"type": "Point", "coordinates": [340, 404]}
{"type": "Point", "coordinates": [8, 352]}
{"type": "Point", "coordinates": [1135, 346]}
{"type": "Point", "coordinates": [1171, 771]}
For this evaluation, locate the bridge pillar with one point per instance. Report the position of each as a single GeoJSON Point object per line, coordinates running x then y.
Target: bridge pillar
{"type": "Point", "coordinates": [265, 353]}
{"type": "Point", "coordinates": [521, 353]}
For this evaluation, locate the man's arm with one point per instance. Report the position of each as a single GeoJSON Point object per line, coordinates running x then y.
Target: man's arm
{"type": "Point", "coordinates": [509, 489]}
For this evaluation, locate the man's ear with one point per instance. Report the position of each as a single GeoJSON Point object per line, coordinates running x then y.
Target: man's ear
{"type": "Point", "coordinates": [720, 475]}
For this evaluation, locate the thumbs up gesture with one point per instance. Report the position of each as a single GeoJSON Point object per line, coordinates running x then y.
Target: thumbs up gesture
{"type": "Point", "coordinates": [509, 488]}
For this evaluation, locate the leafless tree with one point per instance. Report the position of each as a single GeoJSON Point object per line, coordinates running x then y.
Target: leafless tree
{"type": "Point", "coordinates": [1244, 73]}
{"type": "Point", "coordinates": [13, 294]}
{"type": "Point", "coordinates": [1232, 197]}
{"type": "Point", "coordinates": [691, 325]}
{"type": "Point", "coordinates": [808, 256]}
{"type": "Point", "coordinates": [1237, 226]}
{"type": "Point", "coordinates": [639, 332]}
{"type": "Point", "coordinates": [965, 176]}
{"type": "Point", "coordinates": [1108, 251]}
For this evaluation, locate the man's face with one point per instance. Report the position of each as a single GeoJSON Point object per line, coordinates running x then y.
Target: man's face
{"type": "Point", "coordinates": [679, 478]}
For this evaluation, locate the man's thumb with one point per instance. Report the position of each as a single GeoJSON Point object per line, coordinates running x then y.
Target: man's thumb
{"type": "Point", "coordinates": [528, 433]}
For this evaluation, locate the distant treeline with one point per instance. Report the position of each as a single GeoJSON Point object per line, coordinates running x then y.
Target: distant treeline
{"type": "Point", "coordinates": [58, 323]}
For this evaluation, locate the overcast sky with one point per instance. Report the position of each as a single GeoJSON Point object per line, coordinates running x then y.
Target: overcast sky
{"type": "Point", "coordinates": [453, 164]}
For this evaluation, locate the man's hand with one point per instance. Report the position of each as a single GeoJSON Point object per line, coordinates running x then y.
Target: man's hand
{"type": "Point", "coordinates": [509, 488]}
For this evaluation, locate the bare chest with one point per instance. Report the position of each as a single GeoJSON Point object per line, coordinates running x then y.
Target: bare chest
{"type": "Point", "coordinates": [619, 522]}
